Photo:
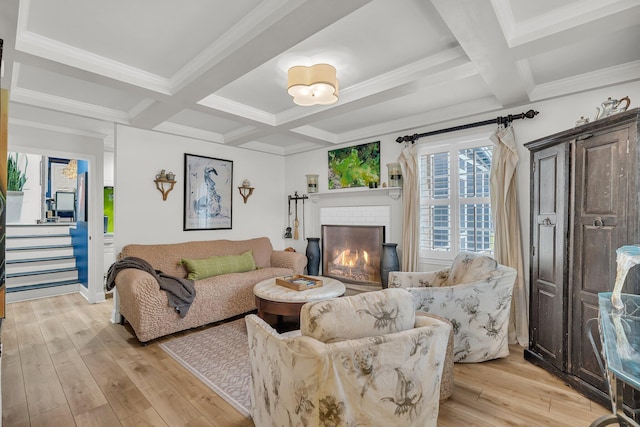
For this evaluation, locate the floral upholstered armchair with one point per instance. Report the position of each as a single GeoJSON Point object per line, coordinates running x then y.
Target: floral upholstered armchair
{"type": "Point", "coordinates": [359, 360]}
{"type": "Point", "coordinates": [474, 294]}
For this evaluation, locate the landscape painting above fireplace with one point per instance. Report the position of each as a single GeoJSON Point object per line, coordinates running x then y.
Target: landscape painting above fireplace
{"type": "Point", "coordinates": [356, 166]}
{"type": "Point", "coordinates": [351, 253]}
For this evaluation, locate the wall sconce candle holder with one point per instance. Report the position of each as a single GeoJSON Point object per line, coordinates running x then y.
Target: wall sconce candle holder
{"type": "Point", "coordinates": [395, 175]}
{"type": "Point", "coordinates": [312, 183]}
{"type": "Point", "coordinates": [165, 183]}
{"type": "Point", "coordinates": [246, 190]}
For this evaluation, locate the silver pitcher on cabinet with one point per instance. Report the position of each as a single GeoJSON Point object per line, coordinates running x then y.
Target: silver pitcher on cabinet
{"type": "Point", "coordinates": [612, 106]}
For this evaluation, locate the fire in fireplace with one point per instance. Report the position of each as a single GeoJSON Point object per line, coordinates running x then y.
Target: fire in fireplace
{"type": "Point", "coordinates": [351, 253]}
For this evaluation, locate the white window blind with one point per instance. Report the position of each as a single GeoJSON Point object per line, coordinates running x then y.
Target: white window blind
{"type": "Point", "coordinates": [455, 204]}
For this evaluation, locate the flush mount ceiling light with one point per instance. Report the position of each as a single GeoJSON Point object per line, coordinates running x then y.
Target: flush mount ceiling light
{"type": "Point", "coordinates": [313, 85]}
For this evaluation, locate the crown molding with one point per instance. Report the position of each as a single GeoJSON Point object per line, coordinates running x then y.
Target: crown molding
{"type": "Point", "coordinates": [54, 128]}
{"type": "Point", "coordinates": [52, 102]}
{"type": "Point", "coordinates": [315, 133]}
{"type": "Point", "coordinates": [238, 109]}
{"type": "Point", "coordinates": [419, 121]}
{"type": "Point", "coordinates": [37, 45]}
{"type": "Point", "coordinates": [587, 81]}
{"type": "Point", "coordinates": [562, 18]}
{"type": "Point", "coordinates": [190, 132]}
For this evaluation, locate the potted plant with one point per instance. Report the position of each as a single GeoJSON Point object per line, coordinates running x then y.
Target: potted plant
{"type": "Point", "coordinates": [16, 178]}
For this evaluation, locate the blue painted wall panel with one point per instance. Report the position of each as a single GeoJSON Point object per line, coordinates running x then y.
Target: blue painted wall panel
{"type": "Point", "coordinates": [80, 236]}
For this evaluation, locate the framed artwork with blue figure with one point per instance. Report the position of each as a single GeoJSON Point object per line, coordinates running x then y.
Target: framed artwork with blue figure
{"type": "Point", "coordinates": [207, 193]}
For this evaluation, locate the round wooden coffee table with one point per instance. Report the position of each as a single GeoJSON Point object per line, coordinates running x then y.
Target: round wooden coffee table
{"type": "Point", "coordinates": [274, 299]}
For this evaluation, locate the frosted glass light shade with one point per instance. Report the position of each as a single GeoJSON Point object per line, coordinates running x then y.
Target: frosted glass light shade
{"type": "Point", "coordinates": [313, 85]}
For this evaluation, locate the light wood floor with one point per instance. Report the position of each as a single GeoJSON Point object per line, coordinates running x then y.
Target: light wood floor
{"type": "Point", "coordinates": [65, 364]}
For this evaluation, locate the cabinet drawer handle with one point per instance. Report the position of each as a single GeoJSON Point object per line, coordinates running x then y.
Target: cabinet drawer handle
{"type": "Point", "coordinates": [546, 222]}
{"type": "Point", "coordinates": [598, 222]}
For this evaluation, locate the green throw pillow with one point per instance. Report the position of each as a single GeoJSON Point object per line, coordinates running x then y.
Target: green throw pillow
{"type": "Point", "coordinates": [216, 265]}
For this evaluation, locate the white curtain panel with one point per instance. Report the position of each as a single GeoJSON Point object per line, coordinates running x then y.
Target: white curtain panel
{"type": "Point", "coordinates": [410, 207]}
{"type": "Point", "coordinates": [506, 221]}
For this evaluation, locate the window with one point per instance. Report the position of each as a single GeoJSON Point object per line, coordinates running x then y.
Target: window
{"type": "Point", "coordinates": [455, 204]}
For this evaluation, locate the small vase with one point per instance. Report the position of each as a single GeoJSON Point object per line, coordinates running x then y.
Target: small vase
{"type": "Point", "coordinates": [313, 255]}
{"type": "Point", "coordinates": [388, 262]}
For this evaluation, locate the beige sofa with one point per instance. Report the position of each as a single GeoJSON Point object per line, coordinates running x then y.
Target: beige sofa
{"type": "Point", "coordinates": [145, 306]}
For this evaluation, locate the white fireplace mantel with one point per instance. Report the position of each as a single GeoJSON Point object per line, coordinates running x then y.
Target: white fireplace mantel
{"type": "Point", "coordinates": [360, 206]}
{"type": "Point", "coordinates": [393, 192]}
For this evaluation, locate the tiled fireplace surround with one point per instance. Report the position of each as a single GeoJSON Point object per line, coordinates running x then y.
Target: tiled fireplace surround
{"type": "Point", "coordinates": [356, 208]}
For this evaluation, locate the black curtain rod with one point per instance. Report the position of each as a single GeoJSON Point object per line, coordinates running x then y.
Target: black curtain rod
{"type": "Point", "coordinates": [500, 120]}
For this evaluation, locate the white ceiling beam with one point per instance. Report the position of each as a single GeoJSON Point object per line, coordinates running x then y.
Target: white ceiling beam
{"type": "Point", "coordinates": [251, 51]}
{"type": "Point", "coordinates": [475, 26]}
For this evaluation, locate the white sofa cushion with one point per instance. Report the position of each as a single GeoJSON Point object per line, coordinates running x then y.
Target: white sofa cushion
{"type": "Point", "coordinates": [359, 316]}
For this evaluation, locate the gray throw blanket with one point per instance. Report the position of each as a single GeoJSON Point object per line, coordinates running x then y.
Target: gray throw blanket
{"type": "Point", "coordinates": [180, 292]}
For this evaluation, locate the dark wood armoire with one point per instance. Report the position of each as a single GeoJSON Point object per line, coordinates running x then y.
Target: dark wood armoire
{"type": "Point", "coordinates": [584, 205]}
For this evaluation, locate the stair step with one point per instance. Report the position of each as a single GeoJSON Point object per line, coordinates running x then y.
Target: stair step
{"type": "Point", "coordinates": [16, 280]}
{"type": "Point", "coordinates": [43, 240]}
{"type": "Point", "coordinates": [41, 229]}
{"type": "Point", "coordinates": [42, 286]}
{"type": "Point", "coordinates": [31, 252]}
{"type": "Point", "coordinates": [53, 270]}
{"type": "Point", "coordinates": [37, 236]}
{"type": "Point", "coordinates": [34, 265]}
{"type": "Point", "coordinates": [55, 258]}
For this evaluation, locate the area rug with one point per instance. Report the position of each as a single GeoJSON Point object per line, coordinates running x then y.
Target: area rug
{"type": "Point", "coordinates": [219, 357]}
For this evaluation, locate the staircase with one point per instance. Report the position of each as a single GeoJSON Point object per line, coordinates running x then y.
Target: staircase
{"type": "Point", "coordinates": [39, 261]}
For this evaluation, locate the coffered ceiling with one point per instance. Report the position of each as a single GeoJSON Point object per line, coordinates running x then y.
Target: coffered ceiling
{"type": "Point", "coordinates": [216, 70]}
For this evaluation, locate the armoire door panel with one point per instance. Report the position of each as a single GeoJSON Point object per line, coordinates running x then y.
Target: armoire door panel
{"type": "Point", "coordinates": [600, 228]}
{"type": "Point", "coordinates": [548, 229]}
{"type": "Point", "coordinates": [597, 269]}
{"type": "Point", "coordinates": [599, 176]}
{"type": "Point", "coordinates": [548, 168]}
{"type": "Point", "coordinates": [547, 270]}
{"type": "Point", "coordinates": [550, 345]}
{"type": "Point", "coordinates": [585, 364]}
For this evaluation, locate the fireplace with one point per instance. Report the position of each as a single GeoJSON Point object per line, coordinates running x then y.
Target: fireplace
{"type": "Point", "coordinates": [351, 253]}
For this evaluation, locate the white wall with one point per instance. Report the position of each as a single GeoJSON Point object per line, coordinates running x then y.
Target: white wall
{"type": "Point", "coordinates": [24, 138]}
{"type": "Point", "coordinates": [555, 115]}
{"type": "Point", "coordinates": [141, 216]}
{"type": "Point", "coordinates": [109, 169]}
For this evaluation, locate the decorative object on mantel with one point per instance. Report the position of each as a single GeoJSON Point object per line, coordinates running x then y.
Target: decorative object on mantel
{"type": "Point", "coordinates": [246, 190]}
{"type": "Point", "coordinates": [312, 183]}
{"type": "Point", "coordinates": [165, 182]}
{"type": "Point", "coordinates": [388, 262]}
{"type": "Point", "coordinates": [395, 175]}
{"type": "Point", "coordinates": [611, 106]}
{"type": "Point", "coordinates": [313, 255]}
{"type": "Point", "coordinates": [314, 85]}
{"type": "Point", "coordinates": [503, 120]}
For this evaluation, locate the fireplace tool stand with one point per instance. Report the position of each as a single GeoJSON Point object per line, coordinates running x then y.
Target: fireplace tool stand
{"type": "Point", "coordinates": [296, 223]}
